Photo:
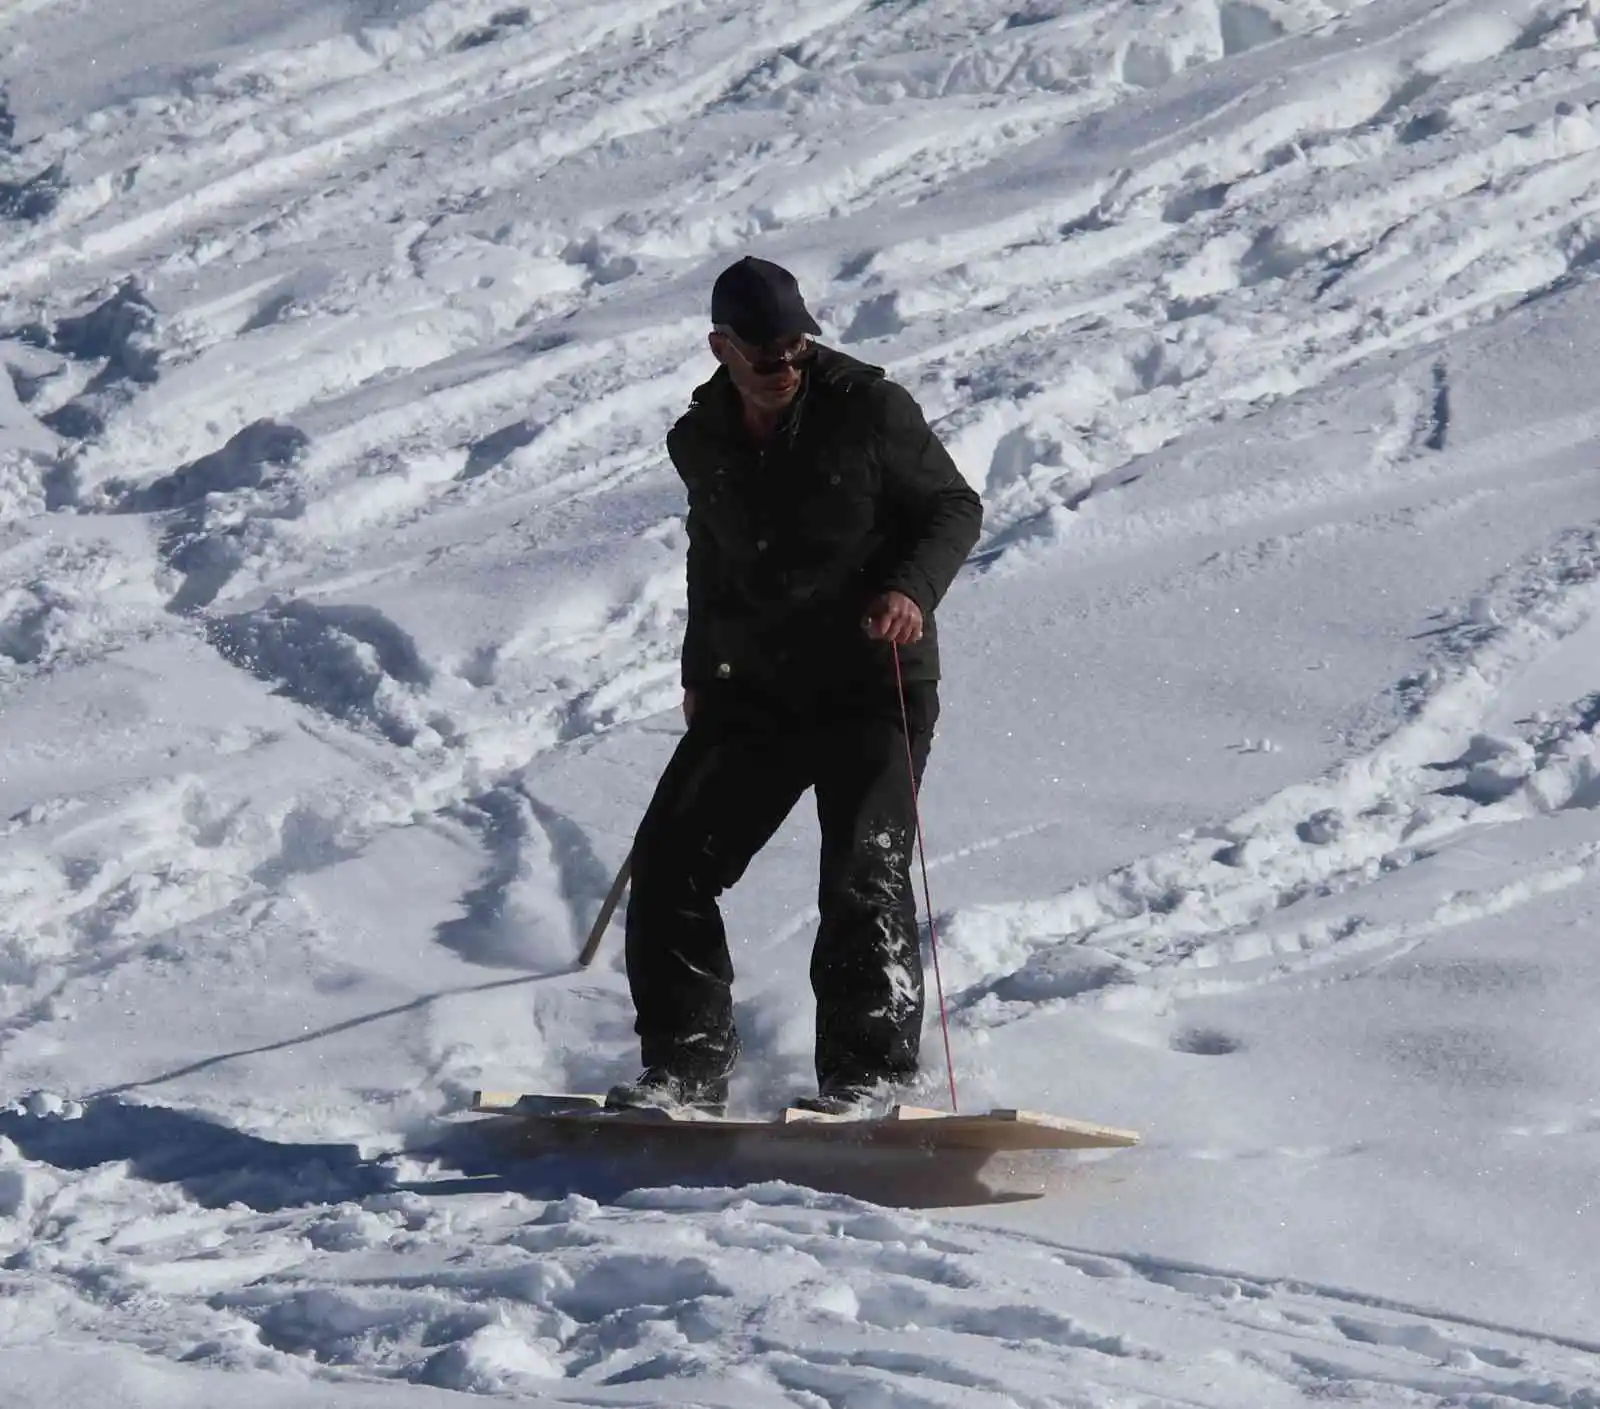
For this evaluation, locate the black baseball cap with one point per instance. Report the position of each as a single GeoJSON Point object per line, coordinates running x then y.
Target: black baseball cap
{"type": "Point", "coordinates": [760, 301]}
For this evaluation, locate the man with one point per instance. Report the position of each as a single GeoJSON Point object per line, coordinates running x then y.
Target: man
{"type": "Point", "coordinates": [825, 523]}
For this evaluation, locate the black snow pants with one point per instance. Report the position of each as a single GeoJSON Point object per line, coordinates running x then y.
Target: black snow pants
{"type": "Point", "coordinates": [745, 761]}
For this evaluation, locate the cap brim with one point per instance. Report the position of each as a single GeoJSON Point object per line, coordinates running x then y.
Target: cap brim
{"type": "Point", "coordinates": [759, 336]}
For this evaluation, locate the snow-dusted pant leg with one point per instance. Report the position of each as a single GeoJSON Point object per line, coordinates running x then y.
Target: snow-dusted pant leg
{"type": "Point", "coordinates": [866, 968]}
{"type": "Point", "coordinates": [736, 775]}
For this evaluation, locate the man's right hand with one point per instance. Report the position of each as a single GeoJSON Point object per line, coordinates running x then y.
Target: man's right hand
{"type": "Point", "coordinates": [688, 706]}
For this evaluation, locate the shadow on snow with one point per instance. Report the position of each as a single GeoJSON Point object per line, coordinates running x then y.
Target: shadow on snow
{"type": "Point", "coordinates": [217, 1165]}
{"type": "Point", "coordinates": [506, 1155]}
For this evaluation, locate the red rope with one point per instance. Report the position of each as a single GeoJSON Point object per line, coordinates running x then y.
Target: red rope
{"type": "Point", "coordinates": [927, 898]}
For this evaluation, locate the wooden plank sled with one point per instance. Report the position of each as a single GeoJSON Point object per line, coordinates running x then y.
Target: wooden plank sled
{"type": "Point", "coordinates": [904, 1127]}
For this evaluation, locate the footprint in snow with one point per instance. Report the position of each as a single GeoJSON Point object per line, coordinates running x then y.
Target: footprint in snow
{"type": "Point", "coordinates": [1205, 1042]}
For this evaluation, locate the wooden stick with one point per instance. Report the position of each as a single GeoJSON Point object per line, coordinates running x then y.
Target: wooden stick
{"type": "Point", "coordinates": [592, 946]}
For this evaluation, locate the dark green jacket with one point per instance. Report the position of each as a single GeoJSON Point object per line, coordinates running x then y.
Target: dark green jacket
{"type": "Point", "coordinates": [788, 543]}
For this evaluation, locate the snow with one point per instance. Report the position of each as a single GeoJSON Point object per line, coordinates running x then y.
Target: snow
{"type": "Point", "coordinates": [340, 600]}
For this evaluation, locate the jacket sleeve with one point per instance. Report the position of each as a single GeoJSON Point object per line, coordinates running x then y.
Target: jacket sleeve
{"type": "Point", "coordinates": [933, 514]}
{"type": "Point", "coordinates": [696, 668]}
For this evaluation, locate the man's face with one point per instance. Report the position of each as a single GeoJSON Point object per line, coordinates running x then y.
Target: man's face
{"type": "Point", "coordinates": [767, 375]}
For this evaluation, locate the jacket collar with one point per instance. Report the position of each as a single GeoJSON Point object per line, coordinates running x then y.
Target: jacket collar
{"type": "Point", "coordinates": [715, 403]}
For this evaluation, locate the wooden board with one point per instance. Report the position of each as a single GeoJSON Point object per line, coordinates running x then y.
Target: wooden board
{"type": "Point", "coordinates": [903, 1127]}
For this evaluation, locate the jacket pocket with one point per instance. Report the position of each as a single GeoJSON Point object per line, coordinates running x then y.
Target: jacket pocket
{"type": "Point", "coordinates": [836, 505]}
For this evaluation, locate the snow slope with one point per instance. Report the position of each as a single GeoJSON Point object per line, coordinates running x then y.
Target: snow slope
{"type": "Point", "coordinates": [340, 600]}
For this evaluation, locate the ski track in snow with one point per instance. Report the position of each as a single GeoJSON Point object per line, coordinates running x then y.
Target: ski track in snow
{"type": "Point", "coordinates": [412, 305]}
{"type": "Point", "coordinates": [1202, 914]}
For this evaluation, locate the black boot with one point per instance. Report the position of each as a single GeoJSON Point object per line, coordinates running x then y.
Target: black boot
{"type": "Point", "coordinates": [861, 1099]}
{"type": "Point", "coordinates": [658, 1088]}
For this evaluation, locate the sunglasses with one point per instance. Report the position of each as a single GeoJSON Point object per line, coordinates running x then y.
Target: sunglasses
{"type": "Point", "coordinates": [765, 364]}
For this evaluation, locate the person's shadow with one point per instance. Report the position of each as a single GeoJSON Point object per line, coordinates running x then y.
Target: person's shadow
{"type": "Point", "coordinates": [213, 1163]}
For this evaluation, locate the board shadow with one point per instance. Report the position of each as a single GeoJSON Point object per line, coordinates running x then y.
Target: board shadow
{"type": "Point", "coordinates": [506, 1155]}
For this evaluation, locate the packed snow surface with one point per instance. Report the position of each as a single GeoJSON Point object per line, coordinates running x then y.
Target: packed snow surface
{"type": "Point", "coordinates": [341, 590]}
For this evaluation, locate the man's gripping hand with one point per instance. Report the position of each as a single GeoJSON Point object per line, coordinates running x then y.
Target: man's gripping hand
{"type": "Point", "coordinates": [893, 616]}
